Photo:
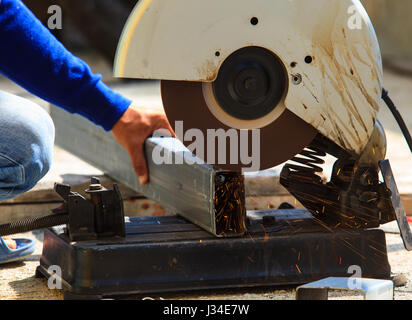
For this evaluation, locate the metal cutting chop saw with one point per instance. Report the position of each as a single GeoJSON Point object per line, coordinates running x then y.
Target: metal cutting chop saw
{"type": "Point", "coordinates": [307, 77]}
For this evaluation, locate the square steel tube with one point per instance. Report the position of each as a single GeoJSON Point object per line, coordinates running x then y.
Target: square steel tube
{"type": "Point", "coordinates": [187, 186]}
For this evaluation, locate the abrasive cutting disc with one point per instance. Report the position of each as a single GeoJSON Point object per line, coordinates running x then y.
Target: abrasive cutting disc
{"type": "Point", "coordinates": [279, 141]}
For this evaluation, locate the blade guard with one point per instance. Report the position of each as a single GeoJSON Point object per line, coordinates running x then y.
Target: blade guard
{"type": "Point", "coordinates": [329, 48]}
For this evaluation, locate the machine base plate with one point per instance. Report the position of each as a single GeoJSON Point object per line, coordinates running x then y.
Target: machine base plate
{"type": "Point", "coordinates": [168, 254]}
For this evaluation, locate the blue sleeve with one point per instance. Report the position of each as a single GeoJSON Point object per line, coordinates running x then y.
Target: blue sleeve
{"type": "Point", "coordinates": [33, 58]}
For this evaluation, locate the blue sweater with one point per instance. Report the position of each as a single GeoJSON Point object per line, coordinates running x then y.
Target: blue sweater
{"type": "Point", "coordinates": [33, 58]}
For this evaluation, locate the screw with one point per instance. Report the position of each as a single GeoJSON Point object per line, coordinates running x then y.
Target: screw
{"type": "Point", "coordinates": [297, 79]}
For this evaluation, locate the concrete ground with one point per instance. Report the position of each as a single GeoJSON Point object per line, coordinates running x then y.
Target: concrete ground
{"type": "Point", "coordinates": [17, 279]}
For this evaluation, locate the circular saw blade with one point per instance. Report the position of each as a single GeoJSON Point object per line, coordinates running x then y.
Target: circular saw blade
{"type": "Point", "coordinates": [279, 141]}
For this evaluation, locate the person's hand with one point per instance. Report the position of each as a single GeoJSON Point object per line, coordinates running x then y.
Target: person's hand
{"type": "Point", "coordinates": [131, 131]}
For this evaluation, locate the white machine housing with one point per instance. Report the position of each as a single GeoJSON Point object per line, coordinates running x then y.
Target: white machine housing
{"type": "Point", "coordinates": [328, 47]}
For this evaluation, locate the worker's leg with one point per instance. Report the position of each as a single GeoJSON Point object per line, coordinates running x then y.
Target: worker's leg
{"type": "Point", "coordinates": [26, 145]}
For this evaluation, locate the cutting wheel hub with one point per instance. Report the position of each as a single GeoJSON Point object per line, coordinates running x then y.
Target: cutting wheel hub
{"type": "Point", "coordinates": [250, 84]}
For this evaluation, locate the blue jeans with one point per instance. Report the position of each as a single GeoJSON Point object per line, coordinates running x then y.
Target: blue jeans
{"type": "Point", "coordinates": [26, 145]}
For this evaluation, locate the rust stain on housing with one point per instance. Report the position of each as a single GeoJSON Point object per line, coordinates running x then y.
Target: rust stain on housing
{"type": "Point", "coordinates": [208, 71]}
{"type": "Point", "coordinates": [333, 72]}
{"type": "Point", "coordinates": [348, 100]}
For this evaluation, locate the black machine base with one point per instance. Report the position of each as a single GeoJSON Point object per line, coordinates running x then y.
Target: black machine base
{"type": "Point", "coordinates": [167, 254]}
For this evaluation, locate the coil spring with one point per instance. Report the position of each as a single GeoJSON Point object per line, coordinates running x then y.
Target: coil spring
{"type": "Point", "coordinates": [310, 159]}
{"type": "Point", "coordinates": [33, 224]}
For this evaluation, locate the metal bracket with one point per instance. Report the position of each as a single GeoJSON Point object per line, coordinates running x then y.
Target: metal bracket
{"type": "Point", "coordinates": [397, 205]}
{"type": "Point", "coordinates": [371, 289]}
{"type": "Point", "coordinates": [100, 217]}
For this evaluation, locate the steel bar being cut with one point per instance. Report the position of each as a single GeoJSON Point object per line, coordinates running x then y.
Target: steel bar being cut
{"type": "Point", "coordinates": [211, 198]}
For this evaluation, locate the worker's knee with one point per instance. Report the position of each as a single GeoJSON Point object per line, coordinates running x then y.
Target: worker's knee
{"type": "Point", "coordinates": [26, 145]}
